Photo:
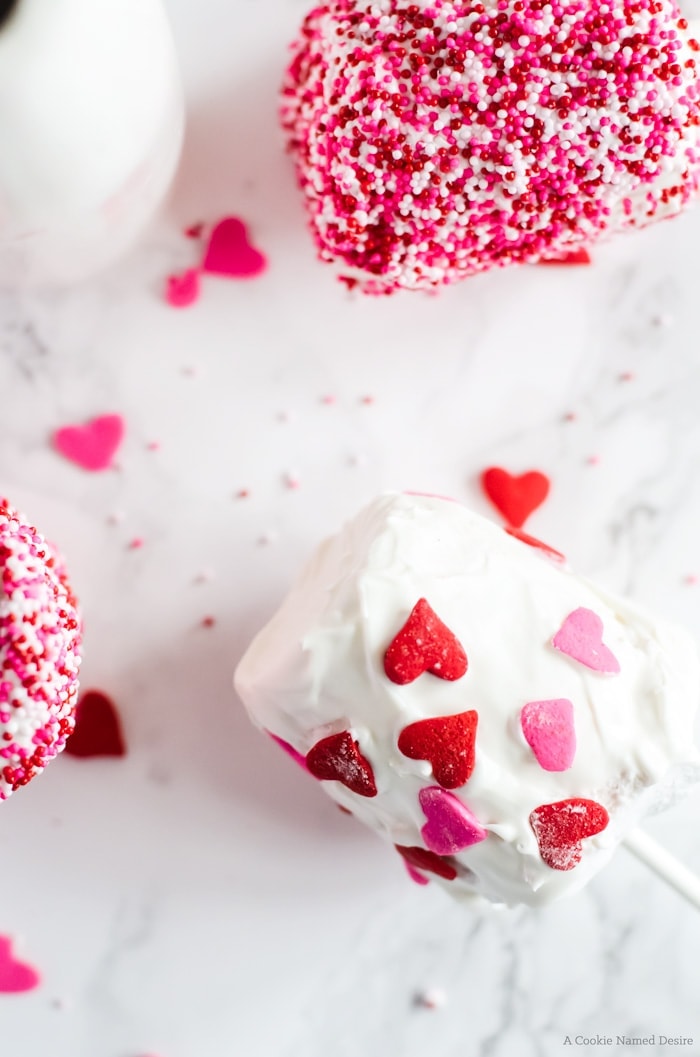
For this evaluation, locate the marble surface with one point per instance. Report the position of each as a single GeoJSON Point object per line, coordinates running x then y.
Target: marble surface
{"type": "Point", "coordinates": [201, 896]}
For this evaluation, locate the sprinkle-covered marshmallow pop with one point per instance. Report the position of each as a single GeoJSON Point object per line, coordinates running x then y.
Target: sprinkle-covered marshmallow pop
{"type": "Point", "coordinates": [40, 635]}
{"type": "Point", "coordinates": [441, 138]}
{"type": "Point", "coordinates": [504, 723]}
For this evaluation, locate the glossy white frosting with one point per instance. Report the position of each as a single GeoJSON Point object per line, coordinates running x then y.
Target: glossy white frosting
{"type": "Point", "coordinates": [317, 668]}
{"type": "Point", "coordinates": [91, 122]}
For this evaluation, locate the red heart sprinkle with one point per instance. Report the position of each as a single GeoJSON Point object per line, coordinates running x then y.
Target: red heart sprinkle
{"type": "Point", "coordinates": [577, 256]}
{"type": "Point", "coordinates": [532, 541]}
{"type": "Point", "coordinates": [93, 445]}
{"type": "Point", "coordinates": [231, 253]}
{"type": "Point", "coordinates": [15, 976]}
{"type": "Point", "coordinates": [447, 742]}
{"type": "Point", "coordinates": [428, 860]}
{"type": "Point", "coordinates": [424, 644]}
{"type": "Point", "coordinates": [97, 728]}
{"type": "Point", "coordinates": [560, 828]}
{"type": "Point", "coordinates": [182, 290]}
{"type": "Point", "coordinates": [338, 758]}
{"type": "Point", "coordinates": [515, 497]}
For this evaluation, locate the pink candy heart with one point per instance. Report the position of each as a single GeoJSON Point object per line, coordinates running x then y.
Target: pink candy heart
{"type": "Point", "coordinates": [230, 252]}
{"type": "Point", "coordinates": [182, 290]}
{"type": "Point", "coordinates": [93, 445]}
{"type": "Point", "coordinates": [581, 638]}
{"type": "Point", "coordinates": [548, 727]}
{"type": "Point", "coordinates": [15, 976]}
{"type": "Point", "coordinates": [451, 826]}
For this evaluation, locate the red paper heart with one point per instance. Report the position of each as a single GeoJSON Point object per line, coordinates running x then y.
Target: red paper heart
{"type": "Point", "coordinates": [97, 728]}
{"type": "Point", "coordinates": [515, 497]}
{"type": "Point", "coordinates": [15, 976]}
{"type": "Point", "coordinates": [423, 859]}
{"type": "Point", "coordinates": [560, 828]}
{"type": "Point", "coordinates": [231, 253]}
{"type": "Point", "coordinates": [93, 445]}
{"type": "Point", "coordinates": [447, 742]}
{"type": "Point", "coordinates": [424, 644]}
{"type": "Point", "coordinates": [338, 758]}
{"type": "Point", "coordinates": [577, 256]}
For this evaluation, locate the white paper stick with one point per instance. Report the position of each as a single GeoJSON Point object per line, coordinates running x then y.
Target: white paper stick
{"type": "Point", "coordinates": [665, 865]}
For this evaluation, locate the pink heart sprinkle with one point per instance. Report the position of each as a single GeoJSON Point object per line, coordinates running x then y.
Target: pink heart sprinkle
{"type": "Point", "coordinates": [581, 637]}
{"type": "Point", "coordinates": [93, 445]}
{"type": "Point", "coordinates": [451, 826]}
{"type": "Point", "coordinates": [416, 875]}
{"type": "Point", "coordinates": [548, 727]}
{"type": "Point", "coordinates": [182, 290]}
{"type": "Point", "coordinates": [15, 977]}
{"type": "Point", "coordinates": [231, 253]}
{"type": "Point", "coordinates": [289, 749]}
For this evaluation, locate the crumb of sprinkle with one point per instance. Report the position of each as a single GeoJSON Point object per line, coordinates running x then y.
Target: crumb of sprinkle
{"type": "Point", "coordinates": [136, 543]}
{"type": "Point", "coordinates": [328, 399]}
{"type": "Point", "coordinates": [626, 376]}
{"type": "Point", "coordinates": [367, 400]}
{"type": "Point", "coordinates": [431, 998]}
{"type": "Point", "coordinates": [243, 493]}
{"type": "Point", "coordinates": [593, 460]}
{"type": "Point", "coordinates": [570, 416]}
{"type": "Point", "coordinates": [208, 622]}
{"type": "Point", "coordinates": [153, 445]}
{"type": "Point", "coordinates": [691, 580]}
{"type": "Point", "coordinates": [117, 517]}
{"type": "Point", "coordinates": [292, 481]}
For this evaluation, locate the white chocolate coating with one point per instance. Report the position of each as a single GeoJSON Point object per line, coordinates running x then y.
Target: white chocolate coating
{"type": "Point", "coordinates": [317, 668]}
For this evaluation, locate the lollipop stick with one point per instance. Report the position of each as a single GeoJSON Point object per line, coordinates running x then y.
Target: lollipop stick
{"type": "Point", "coordinates": [665, 865]}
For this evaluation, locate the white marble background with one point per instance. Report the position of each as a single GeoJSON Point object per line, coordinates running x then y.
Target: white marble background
{"type": "Point", "coordinates": [201, 898]}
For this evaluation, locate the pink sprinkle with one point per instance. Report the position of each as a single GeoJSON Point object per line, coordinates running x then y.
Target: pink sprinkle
{"type": "Point", "coordinates": [194, 231]}
{"type": "Point", "coordinates": [627, 376]}
{"type": "Point", "coordinates": [691, 579]}
{"type": "Point", "coordinates": [242, 493]}
{"type": "Point", "coordinates": [367, 400]}
{"type": "Point", "coordinates": [208, 622]}
{"type": "Point", "coordinates": [182, 290]}
{"type": "Point", "coordinates": [292, 481]}
{"type": "Point", "coordinates": [136, 543]}
{"type": "Point", "coordinates": [153, 445]}
{"type": "Point", "coordinates": [593, 460]}
{"type": "Point", "coordinates": [570, 416]}
{"type": "Point", "coordinates": [328, 399]}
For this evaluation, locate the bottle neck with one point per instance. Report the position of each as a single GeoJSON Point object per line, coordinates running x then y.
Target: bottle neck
{"type": "Point", "coordinates": [7, 8]}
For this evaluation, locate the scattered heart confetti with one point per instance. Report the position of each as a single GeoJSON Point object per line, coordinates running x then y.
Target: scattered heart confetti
{"type": "Point", "coordinates": [183, 290]}
{"type": "Point", "coordinates": [548, 727]}
{"type": "Point", "coordinates": [289, 749]}
{"type": "Point", "coordinates": [532, 541]}
{"type": "Point", "coordinates": [92, 446]}
{"type": "Point", "coordinates": [560, 828]}
{"type": "Point", "coordinates": [15, 976]}
{"type": "Point", "coordinates": [423, 859]}
{"type": "Point", "coordinates": [447, 742]}
{"type": "Point", "coordinates": [581, 638]}
{"type": "Point", "coordinates": [451, 826]}
{"type": "Point", "coordinates": [231, 253]}
{"type": "Point", "coordinates": [338, 758]}
{"type": "Point", "coordinates": [577, 256]}
{"type": "Point", "coordinates": [516, 498]}
{"type": "Point", "coordinates": [424, 644]}
{"type": "Point", "coordinates": [97, 728]}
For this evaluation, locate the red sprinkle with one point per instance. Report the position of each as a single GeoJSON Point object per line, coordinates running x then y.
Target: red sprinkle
{"type": "Point", "coordinates": [424, 644]}
{"type": "Point", "coordinates": [447, 742]}
{"type": "Point", "coordinates": [560, 828]}
{"type": "Point", "coordinates": [338, 758]}
{"type": "Point", "coordinates": [516, 498]}
{"type": "Point", "coordinates": [423, 859]}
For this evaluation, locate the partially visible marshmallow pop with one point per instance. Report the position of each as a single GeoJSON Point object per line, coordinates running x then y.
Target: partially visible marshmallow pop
{"type": "Point", "coordinates": [501, 721]}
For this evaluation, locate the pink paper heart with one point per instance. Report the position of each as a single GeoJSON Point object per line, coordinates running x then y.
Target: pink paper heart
{"type": "Point", "coordinates": [548, 727]}
{"type": "Point", "coordinates": [182, 290]}
{"type": "Point", "coordinates": [581, 637]}
{"type": "Point", "coordinates": [93, 445]}
{"type": "Point", "coordinates": [15, 976]}
{"type": "Point", "coordinates": [451, 826]}
{"type": "Point", "coordinates": [231, 253]}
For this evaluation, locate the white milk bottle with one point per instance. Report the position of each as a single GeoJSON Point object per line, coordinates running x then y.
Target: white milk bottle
{"type": "Point", "coordinates": [91, 122]}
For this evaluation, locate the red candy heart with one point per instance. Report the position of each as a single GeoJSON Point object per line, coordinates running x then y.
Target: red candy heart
{"type": "Point", "coordinates": [230, 252]}
{"type": "Point", "coordinates": [447, 742]}
{"type": "Point", "coordinates": [424, 644]}
{"type": "Point", "coordinates": [560, 828]}
{"type": "Point", "coordinates": [579, 256]}
{"type": "Point", "coordinates": [97, 728]}
{"type": "Point", "coordinates": [93, 445]}
{"type": "Point", "coordinates": [532, 541]}
{"type": "Point", "coordinates": [182, 290]}
{"type": "Point", "coordinates": [338, 759]}
{"type": "Point", "coordinates": [15, 976]}
{"type": "Point", "coordinates": [423, 859]}
{"type": "Point", "coordinates": [515, 497]}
